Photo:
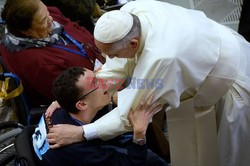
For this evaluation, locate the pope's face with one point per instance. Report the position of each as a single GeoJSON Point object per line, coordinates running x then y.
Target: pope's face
{"type": "Point", "coordinates": [127, 52]}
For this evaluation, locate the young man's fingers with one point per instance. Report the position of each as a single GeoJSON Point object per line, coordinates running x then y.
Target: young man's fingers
{"type": "Point", "coordinates": [155, 108]}
{"type": "Point", "coordinates": [143, 100]}
{"type": "Point", "coordinates": [141, 104]}
{"type": "Point", "coordinates": [130, 113]}
{"type": "Point", "coordinates": [150, 99]}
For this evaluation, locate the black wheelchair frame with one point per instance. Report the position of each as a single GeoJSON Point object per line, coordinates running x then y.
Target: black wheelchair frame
{"type": "Point", "coordinates": [20, 149]}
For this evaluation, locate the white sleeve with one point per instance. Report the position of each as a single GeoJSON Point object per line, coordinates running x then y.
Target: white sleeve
{"type": "Point", "coordinates": [116, 71]}
{"type": "Point", "coordinates": [115, 122]}
{"type": "Point", "coordinates": [90, 131]}
{"type": "Point", "coordinates": [108, 126]}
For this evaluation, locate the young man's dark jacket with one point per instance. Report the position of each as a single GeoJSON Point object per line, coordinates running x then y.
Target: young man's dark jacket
{"type": "Point", "coordinates": [98, 152]}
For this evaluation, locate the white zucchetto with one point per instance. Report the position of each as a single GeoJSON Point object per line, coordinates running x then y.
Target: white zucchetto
{"type": "Point", "coordinates": [113, 26]}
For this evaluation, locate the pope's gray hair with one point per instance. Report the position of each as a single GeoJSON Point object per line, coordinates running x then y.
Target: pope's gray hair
{"type": "Point", "coordinates": [133, 33]}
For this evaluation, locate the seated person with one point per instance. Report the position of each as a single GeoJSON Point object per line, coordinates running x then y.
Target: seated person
{"type": "Point", "coordinates": [82, 11]}
{"type": "Point", "coordinates": [81, 100]}
{"type": "Point", "coordinates": [40, 43]}
{"type": "Point", "coordinates": [104, 3]}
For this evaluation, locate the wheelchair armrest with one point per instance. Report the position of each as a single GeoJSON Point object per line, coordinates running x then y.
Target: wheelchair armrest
{"type": "Point", "coordinates": [10, 124]}
{"type": "Point", "coordinates": [10, 134]}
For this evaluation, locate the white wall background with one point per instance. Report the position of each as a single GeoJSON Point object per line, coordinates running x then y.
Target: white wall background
{"type": "Point", "coordinates": [226, 12]}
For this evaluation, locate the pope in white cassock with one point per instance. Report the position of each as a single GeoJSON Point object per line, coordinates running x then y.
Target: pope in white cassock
{"type": "Point", "coordinates": [203, 73]}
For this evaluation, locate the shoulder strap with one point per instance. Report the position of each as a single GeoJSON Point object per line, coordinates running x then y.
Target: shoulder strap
{"type": "Point", "coordinates": [5, 94]}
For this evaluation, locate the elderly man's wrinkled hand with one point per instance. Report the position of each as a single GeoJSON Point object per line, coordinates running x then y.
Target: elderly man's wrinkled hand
{"type": "Point", "coordinates": [64, 134]}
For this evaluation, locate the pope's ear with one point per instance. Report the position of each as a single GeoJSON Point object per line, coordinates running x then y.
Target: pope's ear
{"type": "Point", "coordinates": [134, 42]}
{"type": "Point", "coordinates": [81, 105]}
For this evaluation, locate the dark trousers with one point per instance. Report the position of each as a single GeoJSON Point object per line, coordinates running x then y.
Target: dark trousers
{"type": "Point", "coordinates": [152, 158]}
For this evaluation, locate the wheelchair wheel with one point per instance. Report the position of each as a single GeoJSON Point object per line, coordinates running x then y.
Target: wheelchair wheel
{"type": "Point", "coordinates": [7, 149]}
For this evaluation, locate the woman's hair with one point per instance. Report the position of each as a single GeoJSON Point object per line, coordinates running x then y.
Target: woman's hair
{"type": "Point", "coordinates": [133, 33]}
{"type": "Point", "coordinates": [65, 89]}
{"type": "Point", "coordinates": [18, 15]}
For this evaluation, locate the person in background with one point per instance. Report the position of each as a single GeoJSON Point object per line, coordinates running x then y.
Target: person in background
{"type": "Point", "coordinates": [83, 11]}
{"type": "Point", "coordinates": [40, 43]}
{"type": "Point", "coordinates": [80, 105]}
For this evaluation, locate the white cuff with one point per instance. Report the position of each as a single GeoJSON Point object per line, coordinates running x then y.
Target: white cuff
{"type": "Point", "coordinates": [90, 131]}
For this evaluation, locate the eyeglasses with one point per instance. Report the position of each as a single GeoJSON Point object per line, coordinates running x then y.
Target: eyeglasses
{"type": "Point", "coordinates": [81, 97]}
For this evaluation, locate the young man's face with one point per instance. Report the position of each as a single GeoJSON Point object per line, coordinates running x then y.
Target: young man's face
{"type": "Point", "coordinates": [97, 94]}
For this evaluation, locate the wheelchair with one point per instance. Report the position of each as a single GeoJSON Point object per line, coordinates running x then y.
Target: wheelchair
{"type": "Point", "coordinates": [20, 151]}
{"type": "Point", "coordinates": [15, 143]}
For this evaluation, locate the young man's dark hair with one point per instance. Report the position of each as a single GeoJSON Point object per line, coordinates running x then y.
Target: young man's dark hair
{"type": "Point", "coordinates": [65, 89]}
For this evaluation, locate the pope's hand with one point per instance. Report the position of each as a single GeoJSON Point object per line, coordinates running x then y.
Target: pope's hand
{"type": "Point", "coordinates": [64, 134]}
{"type": "Point", "coordinates": [51, 109]}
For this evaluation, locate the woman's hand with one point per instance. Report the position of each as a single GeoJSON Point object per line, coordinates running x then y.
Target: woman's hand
{"type": "Point", "coordinates": [64, 134]}
{"type": "Point", "coordinates": [51, 109]}
{"type": "Point", "coordinates": [140, 118]}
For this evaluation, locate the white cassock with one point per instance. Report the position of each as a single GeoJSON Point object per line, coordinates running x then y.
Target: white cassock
{"type": "Point", "coordinates": [205, 72]}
